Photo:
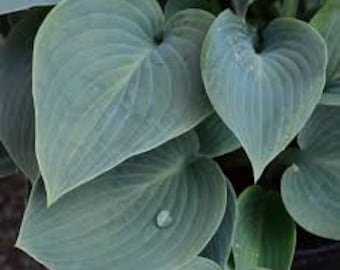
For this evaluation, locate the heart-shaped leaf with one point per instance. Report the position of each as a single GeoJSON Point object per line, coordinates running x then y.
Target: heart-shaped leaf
{"type": "Point", "coordinates": [265, 235]}
{"type": "Point", "coordinates": [311, 187]}
{"type": "Point", "coordinates": [219, 247]}
{"type": "Point", "coordinates": [201, 264]}
{"type": "Point", "coordinates": [7, 6]}
{"type": "Point", "coordinates": [215, 137]}
{"type": "Point", "coordinates": [7, 166]}
{"type": "Point", "coordinates": [162, 206]}
{"type": "Point", "coordinates": [241, 7]}
{"type": "Point", "coordinates": [113, 80]}
{"type": "Point", "coordinates": [16, 102]}
{"type": "Point", "coordinates": [264, 95]}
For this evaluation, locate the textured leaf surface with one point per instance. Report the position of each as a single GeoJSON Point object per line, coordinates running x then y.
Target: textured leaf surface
{"type": "Point", "coordinates": [201, 264]}
{"type": "Point", "coordinates": [265, 234]}
{"type": "Point", "coordinates": [264, 97]}
{"type": "Point", "coordinates": [16, 102]}
{"type": "Point", "coordinates": [216, 139]}
{"type": "Point", "coordinates": [241, 6]}
{"type": "Point", "coordinates": [219, 246]}
{"type": "Point", "coordinates": [105, 91]}
{"type": "Point", "coordinates": [7, 6]}
{"type": "Point", "coordinates": [311, 187]}
{"type": "Point", "coordinates": [154, 211]}
{"type": "Point", "coordinates": [7, 166]}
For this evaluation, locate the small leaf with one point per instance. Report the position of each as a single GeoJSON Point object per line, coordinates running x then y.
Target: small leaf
{"type": "Point", "coordinates": [7, 6]}
{"type": "Point", "coordinates": [241, 7]}
{"type": "Point", "coordinates": [155, 211]}
{"type": "Point", "coordinates": [215, 137]}
{"type": "Point", "coordinates": [219, 247]}
{"type": "Point", "coordinates": [265, 234]}
{"type": "Point", "coordinates": [201, 264]}
{"type": "Point", "coordinates": [16, 102]}
{"type": "Point", "coordinates": [311, 187]}
{"type": "Point", "coordinates": [265, 97]}
{"type": "Point", "coordinates": [112, 80]}
{"type": "Point", "coordinates": [7, 166]}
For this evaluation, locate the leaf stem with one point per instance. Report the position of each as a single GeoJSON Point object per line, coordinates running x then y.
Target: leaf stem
{"type": "Point", "coordinates": [330, 99]}
{"type": "Point", "coordinates": [290, 8]}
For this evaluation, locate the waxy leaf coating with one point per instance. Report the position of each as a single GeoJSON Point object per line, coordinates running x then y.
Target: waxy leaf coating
{"type": "Point", "coordinates": [265, 91]}
{"type": "Point", "coordinates": [155, 211]}
{"type": "Point", "coordinates": [113, 79]}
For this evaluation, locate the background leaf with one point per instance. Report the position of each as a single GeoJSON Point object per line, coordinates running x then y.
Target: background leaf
{"type": "Point", "coordinates": [219, 247]}
{"type": "Point", "coordinates": [174, 6]}
{"type": "Point", "coordinates": [215, 137]}
{"type": "Point", "coordinates": [265, 96]}
{"type": "Point", "coordinates": [8, 6]}
{"type": "Point", "coordinates": [265, 235]}
{"type": "Point", "coordinates": [7, 166]}
{"type": "Point", "coordinates": [162, 206]}
{"type": "Point", "coordinates": [117, 85]}
{"type": "Point", "coordinates": [16, 102]}
{"type": "Point", "coordinates": [311, 187]}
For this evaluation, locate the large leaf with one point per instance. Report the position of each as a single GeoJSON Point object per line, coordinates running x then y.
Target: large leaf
{"type": "Point", "coordinates": [201, 264]}
{"type": "Point", "coordinates": [112, 80]}
{"type": "Point", "coordinates": [219, 246]}
{"type": "Point", "coordinates": [7, 166]}
{"type": "Point", "coordinates": [311, 186]}
{"type": "Point", "coordinates": [16, 102]}
{"type": "Point", "coordinates": [264, 95]}
{"type": "Point", "coordinates": [7, 6]}
{"type": "Point", "coordinates": [155, 211]}
{"type": "Point", "coordinates": [216, 139]}
{"type": "Point", "coordinates": [265, 234]}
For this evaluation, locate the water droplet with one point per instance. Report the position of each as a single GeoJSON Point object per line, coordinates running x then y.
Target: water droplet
{"type": "Point", "coordinates": [164, 219]}
{"type": "Point", "coordinates": [295, 168]}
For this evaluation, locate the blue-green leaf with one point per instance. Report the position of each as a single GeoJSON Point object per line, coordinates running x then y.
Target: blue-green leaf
{"type": "Point", "coordinates": [174, 6]}
{"type": "Point", "coordinates": [219, 246]}
{"type": "Point", "coordinates": [201, 264]}
{"type": "Point", "coordinates": [215, 137]}
{"type": "Point", "coordinates": [155, 211]}
{"type": "Point", "coordinates": [7, 6]}
{"type": "Point", "coordinates": [264, 92]}
{"type": "Point", "coordinates": [16, 102]}
{"type": "Point", "coordinates": [265, 235]}
{"type": "Point", "coordinates": [311, 186]}
{"type": "Point", "coordinates": [112, 80]}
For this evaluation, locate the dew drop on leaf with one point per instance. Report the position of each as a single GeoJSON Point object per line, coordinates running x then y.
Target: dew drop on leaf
{"type": "Point", "coordinates": [164, 219]}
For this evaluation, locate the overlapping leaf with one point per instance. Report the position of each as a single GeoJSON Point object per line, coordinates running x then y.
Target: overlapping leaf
{"type": "Point", "coordinates": [311, 187]}
{"type": "Point", "coordinates": [201, 264]}
{"type": "Point", "coordinates": [216, 139]}
{"type": "Point", "coordinates": [112, 80]}
{"type": "Point", "coordinates": [264, 91]}
{"type": "Point", "coordinates": [265, 234]}
{"type": "Point", "coordinates": [326, 21]}
{"type": "Point", "coordinates": [7, 6]}
{"type": "Point", "coordinates": [219, 247]}
{"type": "Point", "coordinates": [241, 6]}
{"type": "Point", "coordinates": [155, 211]}
{"type": "Point", "coordinates": [16, 102]}
{"type": "Point", "coordinates": [174, 6]}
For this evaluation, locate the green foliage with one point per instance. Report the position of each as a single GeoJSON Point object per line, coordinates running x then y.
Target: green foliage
{"type": "Point", "coordinates": [115, 109]}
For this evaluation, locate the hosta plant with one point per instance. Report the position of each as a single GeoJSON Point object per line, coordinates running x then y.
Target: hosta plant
{"type": "Point", "coordinates": [116, 110]}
